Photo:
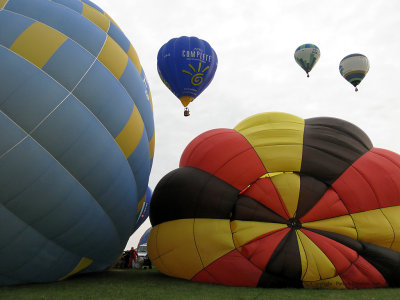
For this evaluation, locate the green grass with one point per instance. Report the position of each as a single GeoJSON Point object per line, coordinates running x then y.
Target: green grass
{"type": "Point", "coordinates": [150, 284]}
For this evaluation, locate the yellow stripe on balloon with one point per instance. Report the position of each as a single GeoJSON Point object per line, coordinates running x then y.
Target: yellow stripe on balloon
{"type": "Point", "coordinates": [246, 231]}
{"type": "Point", "coordinates": [38, 43]}
{"type": "Point", "coordinates": [113, 57]}
{"type": "Point", "coordinates": [343, 225]}
{"type": "Point", "coordinates": [134, 58]}
{"type": "Point", "coordinates": [130, 136]}
{"type": "Point", "coordinates": [315, 264]}
{"type": "Point", "coordinates": [3, 3]}
{"type": "Point", "coordinates": [83, 264]}
{"type": "Point", "coordinates": [96, 17]}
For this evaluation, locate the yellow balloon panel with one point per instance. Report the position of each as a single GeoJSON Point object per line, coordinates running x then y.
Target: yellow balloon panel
{"type": "Point", "coordinates": [372, 226]}
{"type": "Point", "coordinates": [174, 242]}
{"type": "Point", "coordinates": [113, 57]}
{"type": "Point", "coordinates": [288, 185]}
{"type": "Point", "coordinates": [245, 231]}
{"type": "Point", "coordinates": [277, 138]}
{"type": "Point", "coordinates": [130, 136]}
{"type": "Point", "coordinates": [314, 263]}
{"type": "Point", "coordinates": [392, 214]}
{"type": "Point", "coordinates": [96, 17]}
{"type": "Point", "coordinates": [213, 239]}
{"type": "Point", "coordinates": [342, 225]}
{"type": "Point", "coordinates": [38, 43]}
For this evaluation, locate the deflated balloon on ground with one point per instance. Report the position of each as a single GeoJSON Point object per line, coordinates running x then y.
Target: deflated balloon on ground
{"type": "Point", "coordinates": [280, 201]}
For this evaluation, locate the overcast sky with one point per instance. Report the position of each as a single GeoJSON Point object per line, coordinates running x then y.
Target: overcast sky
{"type": "Point", "coordinates": [255, 41]}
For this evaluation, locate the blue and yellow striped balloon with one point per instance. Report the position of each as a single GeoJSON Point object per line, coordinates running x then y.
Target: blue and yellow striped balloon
{"type": "Point", "coordinates": [353, 68]}
{"type": "Point", "coordinates": [76, 139]}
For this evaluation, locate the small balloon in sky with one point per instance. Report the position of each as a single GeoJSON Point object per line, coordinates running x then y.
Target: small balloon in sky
{"type": "Point", "coordinates": [307, 56]}
{"type": "Point", "coordinates": [187, 66]}
{"type": "Point", "coordinates": [353, 68]}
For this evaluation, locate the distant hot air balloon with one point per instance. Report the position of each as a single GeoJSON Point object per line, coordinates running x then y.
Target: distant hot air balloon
{"type": "Point", "coordinates": [307, 56]}
{"type": "Point", "coordinates": [186, 65]}
{"type": "Point", "coordinates": [353, 68]}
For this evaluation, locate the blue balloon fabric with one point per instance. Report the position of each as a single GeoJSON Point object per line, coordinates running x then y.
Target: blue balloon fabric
{"type": "Point", "coordinates": [76, 139]}
{"type": "Point", "coordinates": [144, 209]}
{"type": "Point", "coordinates": [187, 65]}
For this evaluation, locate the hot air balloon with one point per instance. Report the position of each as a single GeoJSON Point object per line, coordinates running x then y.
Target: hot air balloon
{"type": "Point", "coordinates": [186, 65]}
{"type": "Point", "coordinates": [280, 201]}
{"type": "Point", "coordinates": [353, 68]}
{"type": "Point", "coordinates": [76, 139]}
{"type": "Point", "coordinates": [143, 209]}
{"type": "Point", "coordinates": [307, 56]}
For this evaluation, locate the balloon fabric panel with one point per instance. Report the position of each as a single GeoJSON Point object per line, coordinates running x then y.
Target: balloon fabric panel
{"type": "Point", "coordinates": [233, 158]}
{"type": "Point", "coordinates": [186, 182]}
{"type": "Point", "coordinates": [231, 269]}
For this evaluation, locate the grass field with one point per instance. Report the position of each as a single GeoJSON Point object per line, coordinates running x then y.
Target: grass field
{"type": "Point", "coordinates": [150, 284]}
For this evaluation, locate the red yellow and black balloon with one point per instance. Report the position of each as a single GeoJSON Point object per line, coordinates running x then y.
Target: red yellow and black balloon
{"type": "Point", "coordinates": [280, 201]}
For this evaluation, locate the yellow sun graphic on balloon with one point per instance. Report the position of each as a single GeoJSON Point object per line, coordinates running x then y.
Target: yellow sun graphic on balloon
{"type": "Point", "coordinates": [197, 75]}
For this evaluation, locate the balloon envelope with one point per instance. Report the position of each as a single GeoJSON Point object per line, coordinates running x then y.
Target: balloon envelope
{"type": "Point", "coordinates": [76, 139]}
{"type": "Point", "coordinates": [186, 65]}
{"type": "Point", "coordinates": [143, 209]}
{"type": "Point", "coordinates": [354, 67]}
{"type": "Point", "coordinates": [307, 56]}
{"type": "Point", "coordinates": [280, 201]}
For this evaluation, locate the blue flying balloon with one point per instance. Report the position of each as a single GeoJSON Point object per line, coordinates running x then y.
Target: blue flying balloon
{"type": "Point", "coordinates": [186, 65]}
